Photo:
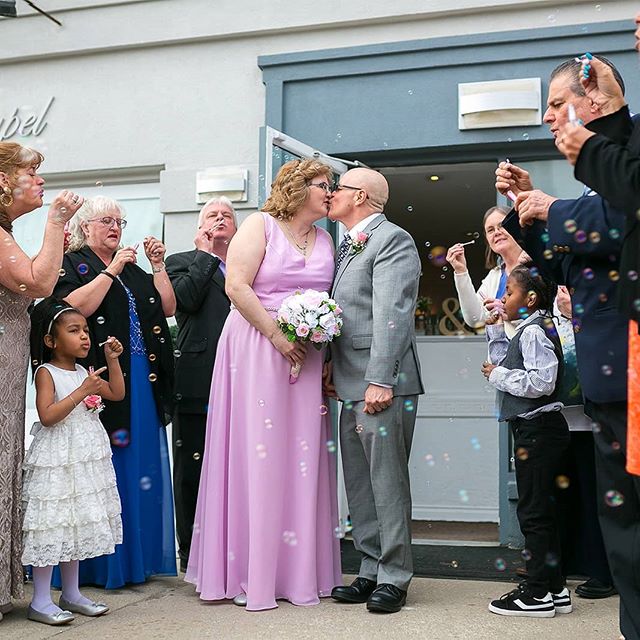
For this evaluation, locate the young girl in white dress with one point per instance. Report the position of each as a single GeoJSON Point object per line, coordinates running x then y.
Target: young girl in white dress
{"type": "Point", "coordinates": [70, 499]}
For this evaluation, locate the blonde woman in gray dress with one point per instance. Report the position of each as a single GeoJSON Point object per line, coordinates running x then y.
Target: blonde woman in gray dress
{"type": "Point", "coordinates": [21, 280]}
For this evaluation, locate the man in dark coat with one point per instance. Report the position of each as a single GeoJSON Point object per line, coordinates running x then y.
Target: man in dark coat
{"type": "Point", "coordinates": [198, 279]}
{"type": "Point", "coordinates": [580, 242]}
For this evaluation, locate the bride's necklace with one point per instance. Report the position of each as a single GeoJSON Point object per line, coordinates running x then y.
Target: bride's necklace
{"type": "Point", "coordinates": [302, 248]}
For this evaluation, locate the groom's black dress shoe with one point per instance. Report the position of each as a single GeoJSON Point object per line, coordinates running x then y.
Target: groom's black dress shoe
{"type": "Point", "coordinates": [387, 598]}
{"type": "Point", "coordinates": [357, 592]}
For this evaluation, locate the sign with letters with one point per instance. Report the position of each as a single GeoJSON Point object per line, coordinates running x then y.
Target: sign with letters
{"type": "Point", "coordinates": [24, 124]}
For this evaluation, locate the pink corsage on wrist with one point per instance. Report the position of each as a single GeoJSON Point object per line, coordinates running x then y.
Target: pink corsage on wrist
{"type": "Point", "coordinates": [94, 403]}
{"type": "Point", "coordinates": [358, 243]}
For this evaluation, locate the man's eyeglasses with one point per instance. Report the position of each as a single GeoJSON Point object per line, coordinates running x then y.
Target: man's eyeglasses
{"type": "Point", "coordinates": [338, 187]}
{"type": "Point", "coordinates": [108, 222]}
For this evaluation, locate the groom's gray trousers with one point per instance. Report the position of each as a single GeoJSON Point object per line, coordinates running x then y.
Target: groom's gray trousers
{"type": "Point", "coordinates": [375, 452]}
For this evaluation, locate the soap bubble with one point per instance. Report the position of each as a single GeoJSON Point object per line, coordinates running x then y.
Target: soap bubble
{"type": "Point", "coordinates": [562, 482]}
{"type": "Point", "coordinates": [268, 424]}
{"type": "Point", "coordinates": [120, 438]}
{"type": "Point", "coordinates": [551, 559]}
{"type": "Point", "coordinates": [587, 274]}
{"type": "Point", "coordinates": [570, 226]}
{"type": "Point", "coordinates": [157, 329]}
{"type": "Point", "coordinates": [580, 236]}
{"type": "Point", "coordinates": [359, 428]}
{"type": "Point", "coordinates": [409, 208]}
{"type": "Point", "coordinates": [152, 377]}
{"type": "Point", "coordinates": [632, 275]}
{"type": "Point", "coordinates": [594, 237]}
{"type": "Point", "coordinates": [522, 453]}
{"type": "Point", "coordinates": [152, 357]}
{"type": "Point", "coordinates": [62, 273]}
{"type": "Point", "coordinates": [438, 256]}
{"type": "Point", "coordinates": [152, 300]}
{"type": "Point", "coordinates": [500, 564]}
{"type": "Point", "coordinates": [338, 532]}
{"type": "Point", "coordinates": [331, 446]}
{"type": "Point", "coordinates": [430, 460]}
{"type": "Point", "coordinates": [464, 496]}
{"type": "Point", "coordinates": [613, 498]}
{"type": "Point", "coordinates": [289, 537]}
{"type": "Point", "coordinates": [261, 450]}
{"type": "Point", "coordinates": [614, 276]}
{"type": "Point", "coordinates": [261, 403]}
{"type": "Point", "coordinates": [525, 136]}
{"type": "Point", "coordinates": [145, 483]}
{"type": "Point", "coordinates": [196, 456]}
{"type": "Point", "coordinates": [526, 555]}
{"type": "Point", "coordinates": [606, 369]}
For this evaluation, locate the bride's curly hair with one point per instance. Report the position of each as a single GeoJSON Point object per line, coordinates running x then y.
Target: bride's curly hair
{"type": "Point", "coordinates": [290, 189]}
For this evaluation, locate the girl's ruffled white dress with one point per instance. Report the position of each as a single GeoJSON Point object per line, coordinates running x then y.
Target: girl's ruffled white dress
{"type": "Point", "coordinates": [70, 498]}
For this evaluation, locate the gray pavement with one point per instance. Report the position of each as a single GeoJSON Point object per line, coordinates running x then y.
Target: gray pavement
{"type": "Point", "coordinates": [436, 610]}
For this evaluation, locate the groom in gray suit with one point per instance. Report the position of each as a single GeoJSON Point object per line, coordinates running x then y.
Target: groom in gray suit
{"type": "Point", "coordinates": [376, 374]}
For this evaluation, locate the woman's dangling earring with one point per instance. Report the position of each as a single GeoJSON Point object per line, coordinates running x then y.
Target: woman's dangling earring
{"type": "Point", "coordinates": [6, 199]}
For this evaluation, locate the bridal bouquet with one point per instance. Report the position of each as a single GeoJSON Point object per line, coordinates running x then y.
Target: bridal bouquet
{"type": "Point", "coordinates": [309, 316]}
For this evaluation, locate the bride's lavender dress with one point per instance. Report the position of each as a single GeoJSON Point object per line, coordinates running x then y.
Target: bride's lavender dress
{"type": "Point", "coordinates": [266, 509]}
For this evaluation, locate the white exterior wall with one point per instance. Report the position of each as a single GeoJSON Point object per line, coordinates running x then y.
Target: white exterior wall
{"type": "Point", "coordinates": [161, 83]}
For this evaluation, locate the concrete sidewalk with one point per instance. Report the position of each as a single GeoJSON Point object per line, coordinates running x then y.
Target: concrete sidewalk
{"type": "Point", "coordinates": [168, 608]}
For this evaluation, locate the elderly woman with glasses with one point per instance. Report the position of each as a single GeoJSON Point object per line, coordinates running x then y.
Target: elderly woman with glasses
{"type": "Point", "coordinates": [102, 280]}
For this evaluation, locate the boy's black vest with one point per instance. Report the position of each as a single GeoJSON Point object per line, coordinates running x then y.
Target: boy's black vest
{"type": "Point", "coordinates": [510, 406]}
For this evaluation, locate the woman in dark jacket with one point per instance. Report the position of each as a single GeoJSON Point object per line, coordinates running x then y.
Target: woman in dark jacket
{"type": "Point", "coordinates": [119, 299]}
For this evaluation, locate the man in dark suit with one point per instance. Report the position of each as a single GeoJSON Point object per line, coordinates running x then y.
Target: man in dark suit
{"type": "Point", "coordinates": [198, 279]}
{"type": "Point", "coordinates": [579, 243]}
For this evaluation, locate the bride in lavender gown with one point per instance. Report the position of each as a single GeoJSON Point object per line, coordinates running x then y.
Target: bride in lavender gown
{"type": "Point", "coordinates": [266, 513]}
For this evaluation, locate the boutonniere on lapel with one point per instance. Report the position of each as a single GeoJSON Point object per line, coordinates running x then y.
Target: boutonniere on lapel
{"type": "Point", "coordinates": [358, 243]}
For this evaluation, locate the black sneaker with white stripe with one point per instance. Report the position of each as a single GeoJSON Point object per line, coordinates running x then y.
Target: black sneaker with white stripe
{"type": "Point", "coordinates": [521, 602]}
{"type": "Point", "coordinates": [562, 601]}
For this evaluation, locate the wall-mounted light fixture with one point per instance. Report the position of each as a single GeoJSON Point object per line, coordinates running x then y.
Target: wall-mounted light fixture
{"type": "Point", "coordinates": [231, 182]}
{"type": "Point", "coordinates": [499, 103]}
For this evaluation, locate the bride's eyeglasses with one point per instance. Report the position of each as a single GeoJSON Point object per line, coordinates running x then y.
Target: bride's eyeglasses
{"type": "Point", "coordinates": [325, 186]}
{"type": "Point", "coordinates": [108, 222]}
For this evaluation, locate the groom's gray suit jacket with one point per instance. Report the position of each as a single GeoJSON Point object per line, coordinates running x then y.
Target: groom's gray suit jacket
{"type": "Point", "coordinates": [377, 290]}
